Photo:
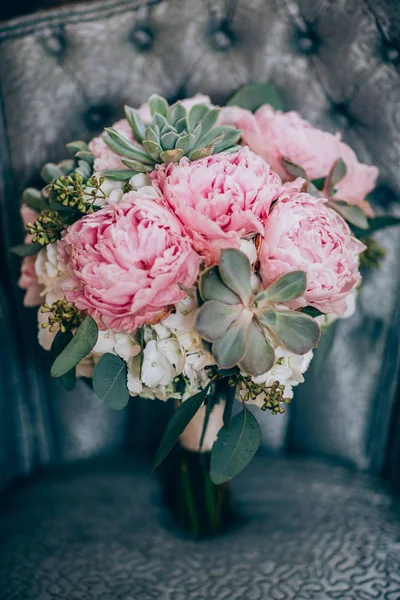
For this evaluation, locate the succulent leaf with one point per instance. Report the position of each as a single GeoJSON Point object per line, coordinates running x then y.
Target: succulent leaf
{"type": "Point", "coordinates": [298, 332]}
{"type": "Point", "coordinates": [196, 114]}
{"type": "Point", "coordinates": [211, 287]}
{"type": "Point", "coordinates": [185, 142]}
{"type": "Point", "coordinates": [168, 140]}
{"type": "Point", "coordinates": [234, 268]}
{"type": "Point", "coordinates": [287, 287]}
{"type": "Point", "coordinates": [201, 153]}
{"type": "Point", "coordinates": [152, 148]}
{"type": "Point", "coordinates": [119, 174]}
{"type": "Point", "coordinates": [231, 348]}
{"type": "Point", "coordinates": [176, 112]}
{"type": "Point", "coordinates": [137, 166]}
{"type": "Point", "coordinates": [157, 104]}
{"type": "Point", "coordinates": [124, 147]}
{"type": "Point", "coordinates": [260, 355]}
{"type": "Point", "coordinates": [171, 156]}
{"type": "Point", "coordinates": [136, 122]}
{"type": "Point", "coordinates": [214, 318]}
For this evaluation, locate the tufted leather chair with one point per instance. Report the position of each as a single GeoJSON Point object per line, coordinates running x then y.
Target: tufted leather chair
{"type": "Point", "coordinates": [80, 516]}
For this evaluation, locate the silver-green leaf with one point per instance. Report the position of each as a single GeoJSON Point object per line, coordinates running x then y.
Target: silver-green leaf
{"type": "Point", "coordinates": [260, 355]}
{"type": "Point", "coordinates": [234, 268]}
{"type": "Point", "coordinates": [254, 95]}
{"type": "Point", "coordinates": [235, 447]}
{"type": "Point", "coordinates": [109, 381]}
{"type": "Point", "coordinates": [287, 287]}
{"type": "Point", "coordinates": [211, 287]}
{"type": "Point", "coordinates": [214, 318]}
{"type": "Point", "coordinates": [82, 343]}
{"type": "Point", "coordinates": [298, 332]}
{"type": "Point", "coordinates": [231, 348]}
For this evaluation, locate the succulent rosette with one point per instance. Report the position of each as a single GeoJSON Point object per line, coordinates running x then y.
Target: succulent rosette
{"type": "Point", "coordinates": [196, 253]}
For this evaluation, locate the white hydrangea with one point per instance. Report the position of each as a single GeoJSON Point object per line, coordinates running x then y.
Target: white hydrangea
{"type": "Point", "coordinates": [51, 272]}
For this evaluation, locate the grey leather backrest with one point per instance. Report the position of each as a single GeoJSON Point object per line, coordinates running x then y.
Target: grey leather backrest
{"type": "Point", "coordinates": [66, 73]}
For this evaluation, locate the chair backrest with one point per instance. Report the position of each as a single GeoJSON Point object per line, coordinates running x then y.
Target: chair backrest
{"type": "Point", "coordinates": [66, 73]}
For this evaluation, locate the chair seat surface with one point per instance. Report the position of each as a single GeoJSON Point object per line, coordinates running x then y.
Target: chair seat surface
{"type": "Point", "coordinates": [98, 531]}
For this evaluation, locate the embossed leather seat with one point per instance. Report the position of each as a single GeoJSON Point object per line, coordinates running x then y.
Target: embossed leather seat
{"type": "Point", "coordinates": [82, 523]}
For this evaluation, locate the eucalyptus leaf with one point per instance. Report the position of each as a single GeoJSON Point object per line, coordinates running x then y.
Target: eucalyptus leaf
{"type": "Point", "coordinates": [287, 287]}
{"type": "Point", "coordinates": [235, 447]}
{"type": "Point", "coordinates": [254, 95]}
{"type": "Point", "coordinates": [50, 172]}
{"type": "Point", "coordinates": [85, 155]}
{"type": "Point", "coordinates": [234, 268]}
{"type": "Point", "coordinates": [84, 169]}
{"type": "Point", "coordinates": [311, 311]}
{"type": "Point", "coordinates": [82, 343]}
{"type": "Point", "coordinates": [77, 146]}
{"type": "Point", "coordinates": [298, 332]}
{"type": "Point", "coordinates": [26, 249]}
{"type": "Point", "coordinates": [337, 173]}
{"type": "Point", "coordinates": [319, 183]}
{"type": "Point", "coordinates": [214, 318]}
{"type": "Point", "coordinates": [119, 174]}
{"type": "Point", "coordinates": [293, 169]}
{"type": "Point", "coordinates": [352, 214]}
{"type": "Point", "coordinates": [177, 424]}
{"type": "Point", "coordinates": [33, 198]}
{"type": "Point", "coordinates": [229, 350]}
{"type": "Point", "coordinates": [60, 342]}
{"type": "Point", "coordinates": [260, 355]}
{"type": "Point", "coordinates": [110, 381]}
{"type": "Point", "coordinates": [230, 395]}
{"type": "Point", "coordinates": [376, 224]}
{"type": "Point", "coordinates": [211, 287]}
{"type": "Point", "coordinates": [67, 166]}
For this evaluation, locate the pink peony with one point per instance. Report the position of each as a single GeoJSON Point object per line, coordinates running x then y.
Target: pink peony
{"type": "Point", "coordinates": [219, 199]}
{"type": "Point", "coordinates": [302, 233]}
{"type": "Point", "coordinates": [126, 262]}
{"type": "Point", "coordinates": [28, 281]}
{"type": "Point", "coordinates": [105, 158]}
{"type": "Point", "coordinates": [274, 135]}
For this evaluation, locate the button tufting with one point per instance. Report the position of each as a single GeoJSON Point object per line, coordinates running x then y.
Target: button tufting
{"type": "Point", "coordinates": [142, 38]}
{"type": "Point", "coordinates": [221, 37]}
{"type": "Point", "coordinates": [98, 117]}
{"type": "Point", "coordinates": [54, 43]}
{"type": "Point", "coordinates": [306, 41]}
{"type": "Point", "coordinates": [341, 115]}
{"type": "Point", "coordinates": [391, 53]}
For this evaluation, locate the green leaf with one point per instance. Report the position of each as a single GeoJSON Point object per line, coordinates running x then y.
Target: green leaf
{"type": "Point", "coordinates": [214, 318]}
{"type": "Point", "coordinates": [337, 173]}
{"type": "Point", "coordinates": [293, 169]}
{"type": "Point", "coordinates": [84, 169]}
{"type": "Point", "coordinates": [230, 395]}
{"type": "Point", "coordinates": [209, 120]}
{"type": "Point", "coordinates": [234, 268]}
{"type": "Point", "coordinates": [59, 343]}
{"type": "Point", "coordinates": [185, 142]}
{"type": "Point", "coordinates": [176, 112]}
{"type": "Point", "coordinates": [177, 424]}
{"type": "Point", "coordinates": [50, 172]}
{"type": "Point", "coordinates": [200, 153]}
{"type": "Point", "coordinates": [152, 148]}
{"type": "Point", "coordinates": [109, 381]}
{"type": "Point", "coordinates": [211, 287]}
{"type": "Point", "coordinates": [196, 114]}
{"type": "Point", "coordinates": [287, 287]}
{"type": "Point", "coordinates": [328, 333]}
{"type": "Point", "coordinates": [376, 225]}
{"type": "Point", "coordinates": [349, 212]}
{"type": "Point", "coordinates": [319, 183]}
{"type": "Point", "coordinates": [229, 141]}
{"type": "Point", "coordinates": [230, 349]}
{"type": "Point", "coordinates": [157, 104]}
{"type": "Point", "coordinates": [136, 166]}
{"type": "Point", "coordinates": [77, 146]}
{"type": "Point", "coordinates": [210, 401]}
{"type": "Point", "coordinates": [124, 147]}
{"type": "Point", "coordinates": [26, 249]}
{"type": "Point", "coordinates": [33, 198]}
{"type": "Point", "coordinates": [86, 156]}
{"type": "Point", "coordinates": [298, 332]}
{"type": "Point", "coordinates": [67, 166]}
{"type": "Point", "coordinates": [168, 140]}
{"type": "Point", "coordinates": [119, 174]}
{"type": "Point", "coordinates": [254, 95]}
{"type": "Point", "coordinates": [171, 156]}
{"type": "Point", "coordinates": [217, 135]}
{"type": "Point", "coordinates": [311, 311]}
{"type": "Point", "coordinates": [235, 447]}
{"type": "Point", "coordinates": [136, 123]}
{"type": "Point", "coordinates": [81, 344]}
{"type": "Point", "coordinates": [260, 355]}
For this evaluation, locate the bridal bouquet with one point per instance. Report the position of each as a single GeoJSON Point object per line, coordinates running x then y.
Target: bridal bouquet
{"type": "Point", "coordinates": [195, 253]}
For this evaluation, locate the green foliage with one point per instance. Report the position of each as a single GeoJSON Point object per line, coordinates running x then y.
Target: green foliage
{"type": "Point", "coordinates": [60, 342]}
{"type": "Point", "coordinates": [230, 395]}
{"type": "Point", "coordinates": [33, 198]}
{"type": "Point", "coordinates": [376, 224]}
{"type": "Point", "coordinates": [260, 356]}
{"type": "Point", "coordinates": [110, 381]}
{"type": "Point", "coordinates": [214, 318]}
{"type": "Point", "coordinates": [172, 133]}
{"type": "Point", "coordinates": [287, 287]}
{"type": "Point", "coordinates": [351, 213]}
{"type": "Point", "coordinates": [46, 229]}
{"type": "Point", "coordinates": [234, 269]}
{"type": "Point", "coordinates": [298, 332]}
{"type": "Point", "coordinates": [230, 349]}
{"type": "Point", "coordinates": [311, 311]}
{"type": "Point", "coordinates": [81, 344]}
{"type": "Point", "coordinates": [177, 424]}
{"type": "Point", "coordinates": [337, 173]}
{"type": "Point", "coordinates": [235, 447]}
{"type": "Point", "coordinates": [293, 169]}
{"type": "Point", "coordinates": [211, 287]}
{"type": "Point", "coordinates": [254, 95]}
{"type": "Point", "coordinates": [23, 250]}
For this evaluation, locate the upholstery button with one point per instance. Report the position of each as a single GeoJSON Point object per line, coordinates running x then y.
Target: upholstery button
{"type": "Point", "coordinates": [54, 43]}
{"type": "Point", "coordinates": [306, 41]}
{"type": "Point", "coordinates": [142, 38]}
{"type": "Point", "coordinates": [221, 37]}
{"type": "Point", "coordinates": [341, 115]}
{"type": "Point", "coordinates": [391, 53]}
{"type": "Point", "coordinates": [98, 117]}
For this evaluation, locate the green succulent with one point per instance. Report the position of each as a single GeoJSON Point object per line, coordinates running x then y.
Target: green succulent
{"type": "Point", "coordinates": [241, 325]}
{"type": "Point", "coordinates": [172, 133]}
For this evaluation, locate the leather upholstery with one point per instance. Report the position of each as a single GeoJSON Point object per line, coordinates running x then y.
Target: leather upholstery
{"type": "Point", "coordinates": [66, 73]}
{"type": "Point", "coordinates": [310, 532]}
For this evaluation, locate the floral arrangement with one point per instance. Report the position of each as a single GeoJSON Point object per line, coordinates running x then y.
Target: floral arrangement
{"type": "Point", "coordinates": [195, 252]}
